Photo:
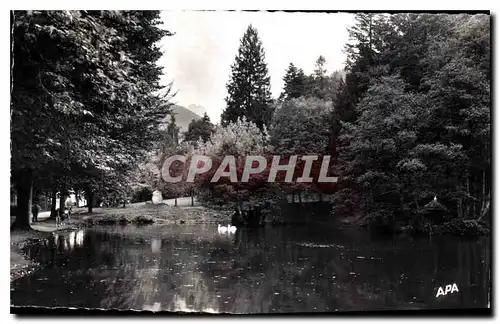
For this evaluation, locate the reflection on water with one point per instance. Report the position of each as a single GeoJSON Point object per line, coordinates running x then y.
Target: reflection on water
{"type": "Point", "coordinates": [69, 241]}
{"type": "Point", "coordinates": [156, 245]}
{"type": "Point", "coordinates": [293, 269]}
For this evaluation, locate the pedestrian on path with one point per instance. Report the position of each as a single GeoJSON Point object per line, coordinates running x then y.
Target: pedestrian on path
{"type": "Point", "coordinates": [34, 210]}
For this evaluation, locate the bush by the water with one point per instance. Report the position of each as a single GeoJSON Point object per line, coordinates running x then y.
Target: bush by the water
{"type": "Point", "coordinates": [119, 219]}
{"type": "Point", "coordinates": [462, 227]}
{"type": "Point", "coordinates": [144, 194]}
{"type": "Point", "coordinates": [142, 220]}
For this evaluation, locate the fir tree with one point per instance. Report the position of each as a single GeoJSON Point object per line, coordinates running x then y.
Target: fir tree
{"type": "Point", "coordinates": [295, 83]}
{"type": "Point", "coordinates": [249, 90]}
{"type": "Point", "coordinates": [320, 71]}
{"type": "Point", "coordinates": [199, 129]}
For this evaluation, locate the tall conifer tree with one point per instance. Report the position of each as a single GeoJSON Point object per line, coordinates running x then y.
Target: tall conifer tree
{"type": "Point", "coordinates": [249, 89]}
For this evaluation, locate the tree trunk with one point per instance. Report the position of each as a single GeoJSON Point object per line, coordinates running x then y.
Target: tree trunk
{"type": "Point", "coordinates": [62, 200]}
{"type": "Point", "coordinates": [192, 200]}
{"type": "Point", "coordinates": [467, 203]}
{"type": "Point", "coordinates": [370, 42]}
{"type": "Point", "coordinates": [12, 18]}
{"type": "Point", "coordinates": [417, 205]}
{"type": "Point", "coordinates": [460, 213]}
{"type": "Point", "coordinates": [46, 200]}
{"type": "Point", "coordinates": [24, 190]}
{"type": "Point", "coordinates": [392, 217]}
{"type": "Point", "coordinates": [473, 203]}
{"type": "Point", "coordinates": [53, 200]}
{"type": "Point", "coordinates": [485, 211]}
{"type": "Point", "coordinates": [483, 193]}
{"type": "Point", "coordinates": [90, 199]}
{"type": "Point", "coordinates": [175, 199]}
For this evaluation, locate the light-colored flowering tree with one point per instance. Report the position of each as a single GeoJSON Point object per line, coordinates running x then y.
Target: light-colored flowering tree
{"type": "Point", "coordinates": [241, 137]}
{"type": "Point", "coordinates": [252, 199]}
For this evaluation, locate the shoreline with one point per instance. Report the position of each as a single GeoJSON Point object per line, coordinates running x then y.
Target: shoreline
{"type": "Point", "coordinates": [22, 265]}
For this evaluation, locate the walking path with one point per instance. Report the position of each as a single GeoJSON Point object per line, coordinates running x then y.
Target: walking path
{"type": "Point", "coordinates": [181, 202]}
{"type": "Point", "coordinates": [44, 224]}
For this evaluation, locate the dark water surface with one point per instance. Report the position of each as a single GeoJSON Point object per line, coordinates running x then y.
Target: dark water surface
{"type": "Point", "coordinates": [288, 269]}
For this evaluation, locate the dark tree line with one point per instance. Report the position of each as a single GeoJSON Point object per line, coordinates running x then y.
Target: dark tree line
{"type": "Point", "coordinates": [415, 117]}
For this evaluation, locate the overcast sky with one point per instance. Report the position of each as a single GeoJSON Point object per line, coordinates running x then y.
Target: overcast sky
{"type": "Point", "coordinates": [198, 57]}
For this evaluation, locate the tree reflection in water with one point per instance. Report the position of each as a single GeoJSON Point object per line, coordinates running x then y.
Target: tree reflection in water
{"type": "Point", "coordinates": [289, 269]}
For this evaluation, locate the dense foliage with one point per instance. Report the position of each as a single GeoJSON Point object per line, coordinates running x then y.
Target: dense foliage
{"type": "Point", "coordinates": [408, 121]}
{"type": "Point", "coordinates": [416, 117]}
{"type": "Point", "coordinates": [86, 100]}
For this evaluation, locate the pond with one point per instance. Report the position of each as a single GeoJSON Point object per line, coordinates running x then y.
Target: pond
{"type": "Point", "coordinates": [270, 270]}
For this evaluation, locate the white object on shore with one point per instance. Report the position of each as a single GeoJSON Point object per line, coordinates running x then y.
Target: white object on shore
{"type": "Point", "coordinates": [157, 197]}
{"type": "Point", "coordinates": [226, 229]}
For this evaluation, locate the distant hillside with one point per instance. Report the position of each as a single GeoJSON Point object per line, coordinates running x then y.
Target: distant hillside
{"type": "Point", "coordinates": [197, 109]}
{"type": "Point", "coordinates": [183, 117]}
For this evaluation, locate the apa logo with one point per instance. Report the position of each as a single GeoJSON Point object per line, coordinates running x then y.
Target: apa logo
{"type": "Point", "coordinates": [447, 289]}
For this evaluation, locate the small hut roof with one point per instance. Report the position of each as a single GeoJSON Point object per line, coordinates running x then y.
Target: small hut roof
{"type": "Point", "coordinates": [435, 205]}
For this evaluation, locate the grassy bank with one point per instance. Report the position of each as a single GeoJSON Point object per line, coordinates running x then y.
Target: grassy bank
{"type": "Point", "coordinates": [157, 214]}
